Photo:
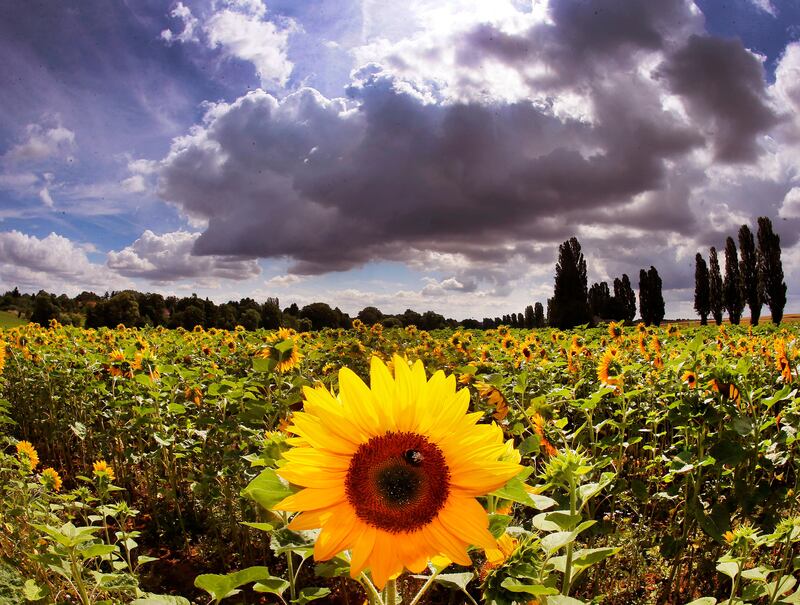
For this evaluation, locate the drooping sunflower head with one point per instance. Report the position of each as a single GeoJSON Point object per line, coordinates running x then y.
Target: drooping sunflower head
{"type": "Point", "coordinates": [608, 369]}
{"type": "Point", "coordinates": [51, 479]}
{"type": "Point", "coordinates": [391, 471]}
{"type": "Point", "coordinates": [27, 454]}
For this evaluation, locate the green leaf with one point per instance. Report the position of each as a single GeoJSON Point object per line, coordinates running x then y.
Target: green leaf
{"type": "Point", "coordinates": [727, 451]}
{"type": "Point", "coordinates": [259, 526]}
{"type": "Point", "coordinates": [561, 599]}
{"type": "Point", "coordinates": [271, 585]}
{"type": "Point", "coordinates": [223, 586]}
{"type": "Point", "coordinates": [455, 580]}
{"type": "Point", "coordinates": [704, 601]}
{"type": "Point", "coordinates": [267, 489]}
{"type": "Point", "coordinates": [336, 567]}
{"type": "Point", "coordinates": [261, 364]}
{"type": "Point", "coordinates": [311, 594]}
{"type": "Point", "coordinates": [301, 542]}
{"type": "Point", "coordinates": [159, 599]}
{"type": "Point", "coordinates": [557, 540]}
{"type": "Point", "coordinates": [512, 585]}
{"type": "Point", "coordinates": [97, 550]}
{"type": "Point", "coordinates": [33, 592]}
{"type": "Point", "coordinates": [498, 524]}
{"type": "Point", "coordinates": [589, 556]}
{"type": "Point", "coordinates": [729, 568]}
{"type": "Point", "coordinates": [784, 584]}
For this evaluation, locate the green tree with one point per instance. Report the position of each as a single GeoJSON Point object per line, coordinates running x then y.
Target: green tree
{"type": "Point", "coordinates": [770, 269]}
{"type": "Point", "coordinates": [250, 319]}
{"type": "Point", "coordinates": [570, 292]}
{"type": "Point", "coordinates": [600, 300]}
{"type": "Point", "coordinates": [271, 314]}
{"type": "Point", "coordinates": [44, 309]}
{"type": "Point", "coordinates": [530, 318]}
{"type": "Point", "coordinates": [715, 286]}
{"type": "Point", "coordinates": [656, 297]}
{"type": "Point", "coordinates": [732, 285]}
{"type": "Point", "coordinates": [748, 268]}
{"type": "Point", "coordinates": [370, 315]}
{"type": "Point", "coordinates": [702, 300]}
{"type": "Point", "coordinates": [644, 296]}
{"type": "Point", "coordinates": [625, 298]}
{"type": "Point", "coordinates": [538, 315]}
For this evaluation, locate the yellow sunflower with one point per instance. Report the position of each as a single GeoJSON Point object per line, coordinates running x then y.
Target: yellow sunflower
{"type": "Point", "coordinates": [610, 358]}
{"type": "Point", "coordinates": [102, 469]}
{"type": "Point", "coordinates": [50, 478]}
{"type": "Point", "coordinates": [391, 472]}
{"type": "Point", "coordinates": [28, 454]}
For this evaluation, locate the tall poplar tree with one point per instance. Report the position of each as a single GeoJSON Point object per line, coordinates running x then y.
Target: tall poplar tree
{"type": "Point", "coordinates": [702, 302]}
{"type": "Point", "coordinates": [715, 286]}
{"type": "Point", "coordinates": [627, 297]}
{"type": "Point", "coordinates": [770, 269]}
{"type": "Point", "coordinates": [538, 315]}
{"type": "Point", "coordinates": [748, 268]}
{"type": "Point", "coordinates": [732, 286]}
{"type": "Point", "coordinates": [656, 297]}
{"type": "Point", "coordinates": [569, 302]}
{"type": "Point", "coordinates": [644, 296]}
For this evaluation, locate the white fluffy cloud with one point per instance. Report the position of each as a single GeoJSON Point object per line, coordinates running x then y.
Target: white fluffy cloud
{"type": "Point", "coordinates": [244, 31]}
{"type": "Point", "coordinates": [41, 142]}
{"type": "Point", "coordinates": [53, 263]}
{"type": "Point", "coordinates": [169, 257]}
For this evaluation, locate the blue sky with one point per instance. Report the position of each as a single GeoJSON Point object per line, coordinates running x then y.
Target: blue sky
{"type": "Point", "coordinates": [428, 155]}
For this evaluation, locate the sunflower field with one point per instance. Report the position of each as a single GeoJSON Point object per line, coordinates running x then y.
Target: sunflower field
{"type": "Point", "coordinates": [616, 465]}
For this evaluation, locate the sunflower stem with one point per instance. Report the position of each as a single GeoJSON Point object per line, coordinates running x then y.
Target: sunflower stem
{"type": "Point", "coordinates": [425, 587]}
{"type": "Point", "coordinates": [390, 592]}
{"type": "Point", "coordinates": [373, 596]}
{"type": "Point", "coordinates": [573, 505]}
{"type": "Point", "coordinates": [290, 570]}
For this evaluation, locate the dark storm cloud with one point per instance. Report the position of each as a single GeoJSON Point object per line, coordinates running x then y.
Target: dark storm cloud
{"type": "Point", "coordinates": [724, 86]}
{"type": "Point", "coordinates": [584, 38]}
{"type": "Point", "coordinates": [392, 172]}
{"type": "Point", "coordinates": [333, 187]}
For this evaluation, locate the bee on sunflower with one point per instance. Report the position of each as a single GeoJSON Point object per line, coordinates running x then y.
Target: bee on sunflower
{"type": "Point", "coordinates": [391, 471]}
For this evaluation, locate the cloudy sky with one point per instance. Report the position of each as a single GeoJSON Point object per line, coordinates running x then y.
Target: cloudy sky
{"type": "Point", "coordinates": [429, 154]}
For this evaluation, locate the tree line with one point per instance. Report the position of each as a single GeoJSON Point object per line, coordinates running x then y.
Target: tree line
{"type": "Point", "coordinates": [574, 303]}
{"type": "Point", "coordinates": [137, 309]}
{"type": "Point", "coordinates": [754, 280]}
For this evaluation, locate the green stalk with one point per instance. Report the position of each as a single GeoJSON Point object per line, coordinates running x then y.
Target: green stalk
{"type": "Point", "coordinates": [373, 596]}
{"type": "Point", "coordinates": [425, 587]}
{"type": "Point", "coordinates": [290, 569]}
{"type": "Point", "coordinates": [390, 592]}
{"type": "Point", "coordinates": [573, 504]}
{"type": "Point", "coordinates": [76, 573]}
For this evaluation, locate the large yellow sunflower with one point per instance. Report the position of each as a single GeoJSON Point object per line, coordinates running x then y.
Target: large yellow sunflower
{"type": "Point", "coordinates": [391, 471]}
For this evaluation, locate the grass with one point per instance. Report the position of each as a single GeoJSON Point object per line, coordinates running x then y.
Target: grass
{"type": "Point", "coordinates": [10, 320]}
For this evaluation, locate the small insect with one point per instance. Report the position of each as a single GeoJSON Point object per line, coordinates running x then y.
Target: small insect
{"type": "Point", "coordinates": [413, 457]}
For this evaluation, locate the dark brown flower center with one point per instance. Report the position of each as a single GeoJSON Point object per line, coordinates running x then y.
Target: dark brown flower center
{"type": "Point", "coordinates": [397, 482]}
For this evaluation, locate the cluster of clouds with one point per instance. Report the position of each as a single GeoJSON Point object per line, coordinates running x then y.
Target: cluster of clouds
{"type": "Point", "coordinates": [242, 30]}
{"type": "Point", "coordinates": [29, 262]}
{"type": "Point", "coordinates": [469, 142]}
{"type": "Point", "coordinates": [623, 123]}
